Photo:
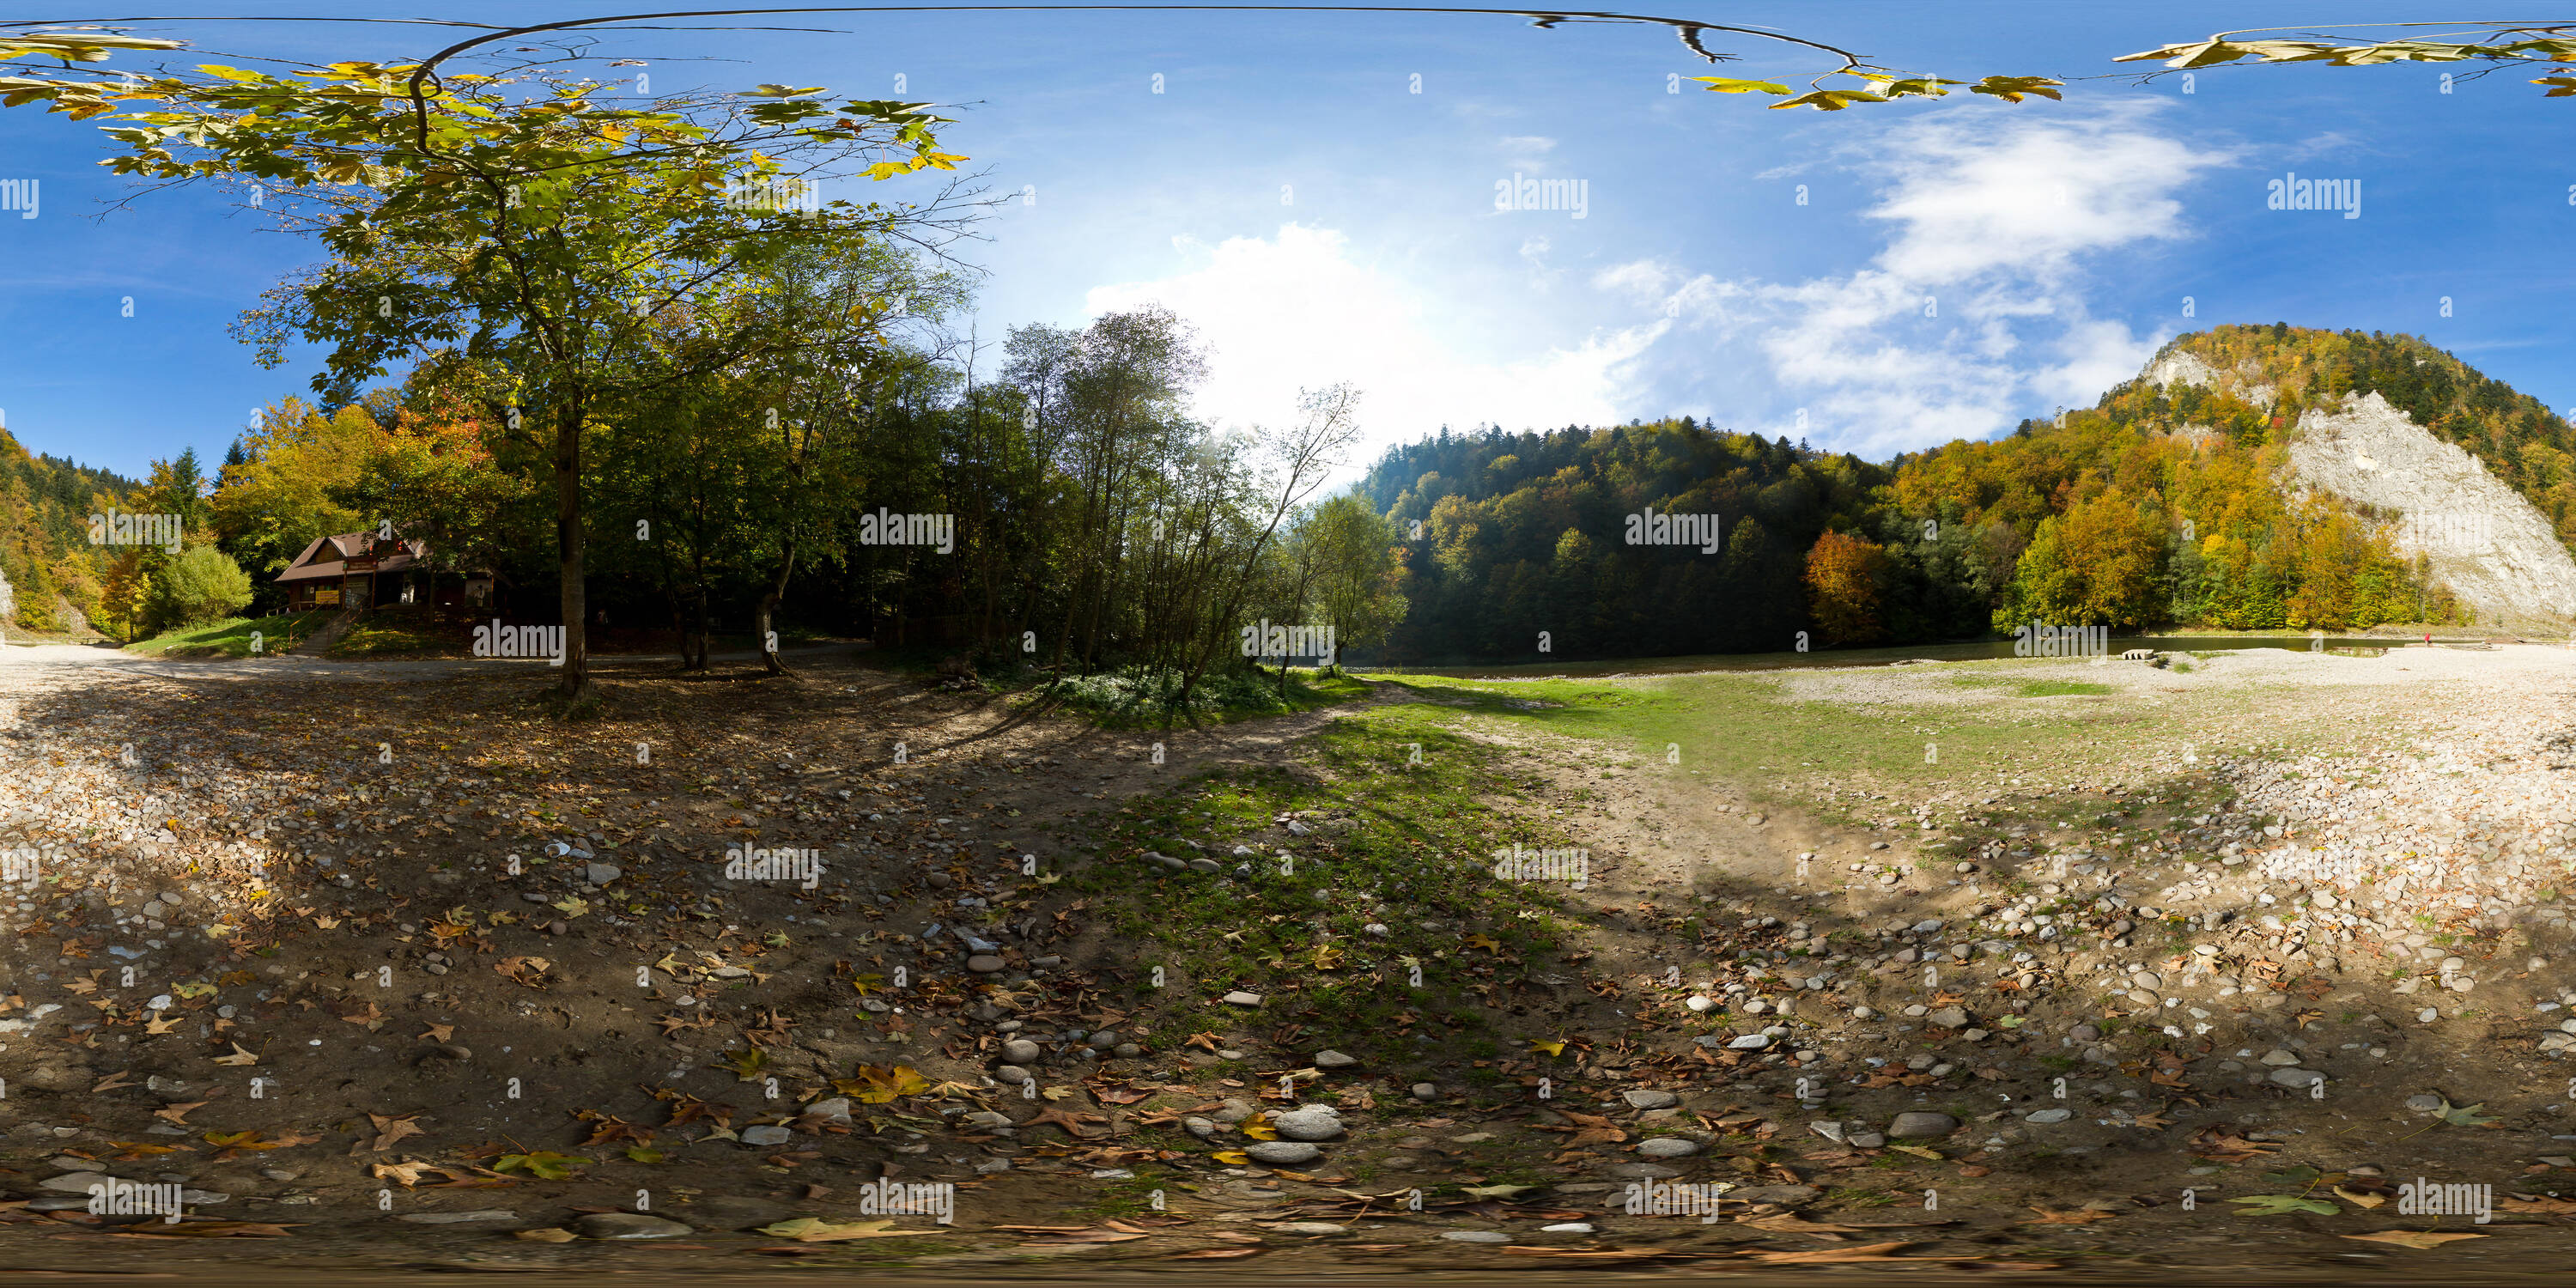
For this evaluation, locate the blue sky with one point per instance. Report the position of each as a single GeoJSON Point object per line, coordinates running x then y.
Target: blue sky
{"type": "Point", "coordinates": [1955, 266]}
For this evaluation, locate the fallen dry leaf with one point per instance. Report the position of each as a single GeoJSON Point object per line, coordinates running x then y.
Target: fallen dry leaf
{"type": "Point", "coordinates": [2417, 1239]}
{"type": "Point", "coordinates": [547, 1235]}
{"type": "Point", "coordinates": [806, 1229]}
{"type": "Point", "coordinates": [392, 1129]}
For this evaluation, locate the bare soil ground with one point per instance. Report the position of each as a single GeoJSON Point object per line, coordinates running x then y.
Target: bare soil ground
{"type": "Point", "coordinates": [354, 1014]}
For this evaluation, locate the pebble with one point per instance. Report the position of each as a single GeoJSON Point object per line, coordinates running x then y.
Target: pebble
{"type": "Point", "coordinates": [490, 1216]}
{"type": "Point", "coordinates": [1334, 1060]}
{"type": "Point", "coordinates": [1645, 1098]}
{"type": "Point", "coordinates": [1922, 1124]}
{"type": "Point", "coordinates": [1425, 1091]}
{"type": "Point", "coordinates": [601, 874]}
{"type": "Point", "coordinates": [767, 1134]}
{"type": "Point", "coordinates": [1241, 998]}
{"type": "Point", "coordinates": [1283, 1153]}
{"type": "Point", "coordinates": [1312, 1123]}
{"type": "Point", "coordinates": [985, 963]}
{"type": "Point", "coordinates": [1021, 1051]}
{"type": "Point", "coordinates": [1475, 1236]}
{"type": "Point", "coordinates": [2050, 1115]}
{"type": "Point", "coordinates": [629, 1225]}
{"type": "Point", "coordinates": [1667, 1147]}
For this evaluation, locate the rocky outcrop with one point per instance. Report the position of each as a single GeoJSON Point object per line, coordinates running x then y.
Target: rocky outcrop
{"type": "Point", "coordinates": [2496, 552]}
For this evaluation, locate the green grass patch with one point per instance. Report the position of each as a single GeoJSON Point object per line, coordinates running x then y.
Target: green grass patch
{"type": "Point", "coordinates": [1141, 697]}
{"type": "Point", "coordinates": [2063, 689]}
{"type": "Point", "coordinates": [232, 636]}
{"type": "Point", "coordinates": [1395, 844]}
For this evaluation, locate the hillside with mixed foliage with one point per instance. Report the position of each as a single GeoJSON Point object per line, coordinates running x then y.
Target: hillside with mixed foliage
{"type": "Point", "coordinates": [2162, 506]}
{"type": "Point", "coordinates": [45, 504]}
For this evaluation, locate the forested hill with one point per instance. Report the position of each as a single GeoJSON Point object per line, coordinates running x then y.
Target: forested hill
{"type": "Point", "coordinates": [45, 504]}
{"type": "Point", "coordinates": [2161, 506]}
{"type": "Point", "coordinates": [2520, 440]}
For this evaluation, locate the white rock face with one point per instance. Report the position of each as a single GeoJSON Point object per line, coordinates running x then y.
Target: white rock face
{"type": "Point", "coordinates": [2491, 546]}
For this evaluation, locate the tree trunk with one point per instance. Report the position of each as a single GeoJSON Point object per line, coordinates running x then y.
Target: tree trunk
{"type": "Point", "coordinates": [764, 619]}
{"type": "Point", "coordinates": [574, 684]}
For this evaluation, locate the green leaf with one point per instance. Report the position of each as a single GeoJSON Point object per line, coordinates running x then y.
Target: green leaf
{"type": "Point", "coordinates": [1830, 100]}
{"type": "Point", "coordinates": [1729, 85]}
{"type": "Point", "coordinates": [2466, 1116]}
{"type": "Point", "coordinates": [2011, 89]}
{"type": "Point", "coordinates": [2283, 1205]}
{"type": "Point", "coordinates": [780, 91]}
{"type": "Point", "coordinates": [643, 1154]}
{"type": "Point", "coordinates": [545, 1165]}
{"type": "Point", "coordinates": [2560, 86]}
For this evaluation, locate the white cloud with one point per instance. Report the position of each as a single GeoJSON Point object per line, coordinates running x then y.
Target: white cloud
{"type": "Point", "coordinates": [1973, 315]}
{"type": "Point", "coordinates": [1298, 310]}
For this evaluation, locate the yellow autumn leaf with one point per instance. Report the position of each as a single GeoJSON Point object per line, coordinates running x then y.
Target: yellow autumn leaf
{"type": "Point", "coordinates": [1257, 1129]}
{"type": "Point", "coordinates": [1233, 1157]}
{"type": "Point", "coordinates": [1556, 1047]}
{"type": "Point", "coordinates": [2367, 1200]}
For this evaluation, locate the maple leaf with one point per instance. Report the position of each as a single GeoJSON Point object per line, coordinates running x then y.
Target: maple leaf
{"type": "Point", "coordinates": [868, 984]}
{"type": "Point", "coordinates": [807, 1229]}
{"type": "Point", "coordinates": [1553, 1046]}
{"type": "Point", "coordinates": [1257, 1129]}
{"type": "Point", "coordinates": [1484, 941]}
{"type": "Point", "coordinates": [2080, 1216]}
{"type": "Point", "coordinates": [408, 1174]}
{"type": "Point", "coordinates": [179, 1113]}
{"type": "Point", "coordinates": [238, 1057]}
{"type": "Point", "coordinates": [745, 1065]}
{"type": "Point", "coordinates": [1071, 1123]}
{"type": "Point", "coordinates": [2222, 1144]}
{"type": "Point", "coordinates": [2517, 1203]}
{"type": "Point", "coordinates": [440, 1032]}
{"type": "Point", "coordinates": [2360, 1197]}
{"type": "Point", "coordinates": [157, 1025]}
{"type": "Point", "coordinates": [2416, 1239]}
{"type": "Point", "coordinates": [392, 1129]}
{"type": "Point", "coordinates": [111, 1082]}
{"type": "Point", "coordinates": [1592, 1128]}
